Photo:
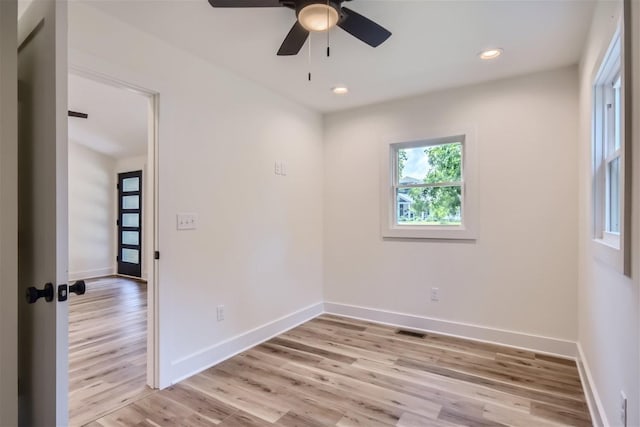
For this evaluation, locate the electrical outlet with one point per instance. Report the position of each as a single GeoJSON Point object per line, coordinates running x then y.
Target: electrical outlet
{"type": "Point", "coordinates": [435, 294]}
{"type": "Point", "coordinates": [277, 168]}
{"type": "Point", "coordinates": [283, 169]}
{"type": "Point", "coordinates": [220, 313]}
{"type": "Point", "coordinates": [623, 409]}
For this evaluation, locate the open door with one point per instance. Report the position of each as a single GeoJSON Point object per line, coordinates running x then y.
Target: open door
{"type": "Point", "coordinates": [42, 212]}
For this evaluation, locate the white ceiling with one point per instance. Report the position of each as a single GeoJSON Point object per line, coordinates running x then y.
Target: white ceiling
{"type": "Point", "coordinates": [434, 44]}
{"type": "Point", "coordinates": [117, 123]}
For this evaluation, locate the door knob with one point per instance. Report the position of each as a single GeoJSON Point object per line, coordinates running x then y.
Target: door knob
{"type": "Point", "coordinates": [79, 288]}
{"type": "Point", "coordinates": [33, 294]}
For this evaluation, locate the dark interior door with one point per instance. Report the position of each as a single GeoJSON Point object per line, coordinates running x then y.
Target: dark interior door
{"type": "Point", "coordinates": [130, 223]}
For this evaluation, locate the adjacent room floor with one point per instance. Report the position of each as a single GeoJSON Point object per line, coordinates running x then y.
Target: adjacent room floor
{"type": "Point", "coordinates": [338, 371]}
{"type": "Point", "coordinates": [107, 348]}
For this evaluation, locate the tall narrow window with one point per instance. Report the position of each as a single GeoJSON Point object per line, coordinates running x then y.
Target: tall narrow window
{"type": "Point", "coordinates": [608, 149]}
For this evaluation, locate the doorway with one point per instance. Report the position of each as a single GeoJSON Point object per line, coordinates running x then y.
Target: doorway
{"type": "Point", "coordinates": [112, 240]}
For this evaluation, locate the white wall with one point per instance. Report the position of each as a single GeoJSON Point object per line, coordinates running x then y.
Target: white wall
{"type": "Point", "coordinates": [608, 301]}
{"type": "Point", "coordinates": [130, 164]}
{"type": "Point", "coordinates": [258, 248]}
{"type": "Point", "coordinates": [92, 187]}
{"type": "Point", "coordinates": [520, 274]}
{"type": "Point", "coordinates": [8, 215]}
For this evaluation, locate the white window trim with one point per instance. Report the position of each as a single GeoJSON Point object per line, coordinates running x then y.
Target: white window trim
{"type": "Point", "coordinates": [469, 228]}
{"type": "Point", "coordinates": [609, 247]}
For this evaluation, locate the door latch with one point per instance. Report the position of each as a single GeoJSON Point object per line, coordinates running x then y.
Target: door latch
{"type": "Point", "coordinates": [62, 293]}
{"type": "Point", "coordinates": [79, 288]}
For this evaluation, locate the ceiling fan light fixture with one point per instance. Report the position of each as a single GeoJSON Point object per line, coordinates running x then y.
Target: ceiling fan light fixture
{"type": "Point", "coordinates": [318, 17]}
{"type": "Point", "coordinates": [340, 90]}
{"type": "Point", "coordinates": [490, 53]}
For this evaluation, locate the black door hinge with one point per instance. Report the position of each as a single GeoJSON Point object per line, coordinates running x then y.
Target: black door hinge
{"type": "Point", "coordinates": [156, 255]}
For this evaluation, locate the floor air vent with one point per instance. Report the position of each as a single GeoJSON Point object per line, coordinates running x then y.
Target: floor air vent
{"type": "Point", "coordinates": [410, 333]}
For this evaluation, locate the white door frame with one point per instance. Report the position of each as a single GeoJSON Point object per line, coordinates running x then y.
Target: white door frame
{"type": "Point", "coordinates": [151, 188]}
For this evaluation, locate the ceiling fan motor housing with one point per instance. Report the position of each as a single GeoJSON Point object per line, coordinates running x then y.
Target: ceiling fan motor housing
{"type": "Point", "coordinates": [301, 4]}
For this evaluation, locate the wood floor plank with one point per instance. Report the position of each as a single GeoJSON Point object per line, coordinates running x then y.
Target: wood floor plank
{"type": "Point", "coordinates": [238, 398]}
{"type": "Point", "coordinates": [202, 404]}
{"type": "Point", "coordinates": [518, 389]}
{"type": "Point", "coordinates": [447, 386]}
{"type": "Point", "coordinates": [334, 371]}
{"type": "Point", "coordinates": [412, 420]}
{"type": "Point", "coordinates": [458, 416]}
{"type": "Point", "coordinates": [560, 414]}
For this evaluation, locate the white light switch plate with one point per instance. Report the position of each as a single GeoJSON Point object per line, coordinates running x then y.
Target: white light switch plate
{"type": "Point", "coordinates": [187, 221]}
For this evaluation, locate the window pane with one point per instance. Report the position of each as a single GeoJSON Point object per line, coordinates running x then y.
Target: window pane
{"type": "Point", "coordinates": [130, 238]}
{"type": "Point", "coordinates": [131, 202]}
{"type": "Point", "coordinates": [131, 184]}
{"type": "Point", "coordinates": [130, 255]}
{"type": "Point", "coordinates": [429, 206]}
{"type": "Point", "coordinates": [131, 220]}
{"type": "Point", "coordinates": [613, 213]}
{"type": "Point", "coordinates": [431, 164]}
{"type": "Point", "coordinates": [617, 138]}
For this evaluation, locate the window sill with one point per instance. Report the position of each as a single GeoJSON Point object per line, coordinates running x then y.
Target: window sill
{"type": "Point", "coordinates": [610, 239]}
{"type": "Point", "coordinates": [607, 251]}
{"type": "Point", "coordinates": [429, 232]}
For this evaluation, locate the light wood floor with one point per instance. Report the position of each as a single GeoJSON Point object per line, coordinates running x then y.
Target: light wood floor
{"type": "Point", "coordinates": [107, 348]}
{"type": "Point", "coordinates": [337, 371]}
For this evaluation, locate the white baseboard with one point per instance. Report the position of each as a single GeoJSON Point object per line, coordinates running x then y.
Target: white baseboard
{"type": "Point", "coordinates": [537, 343]}
{"type": "Point", "coordinates": [596, 409]}
{"type": "Point", "coordinates": [210, 356]}
{"type": "Point", "coordinates": [90, 274]}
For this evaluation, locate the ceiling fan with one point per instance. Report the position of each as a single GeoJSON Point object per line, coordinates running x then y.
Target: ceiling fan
{"type": "Point", "coordinates": [317, 15]}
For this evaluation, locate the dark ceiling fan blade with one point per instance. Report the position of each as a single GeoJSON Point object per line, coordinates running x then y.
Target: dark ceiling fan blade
{"type": "Point", "coordinates": [363, 28]}
{"type": "Point", "coordinates": [294, 40]}
{"type": "Point", "coordinates": [77, 114]}
{"type": "Point", "coordinates": [245, 3]}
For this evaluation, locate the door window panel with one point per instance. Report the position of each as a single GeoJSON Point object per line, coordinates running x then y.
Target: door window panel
{"type": "Point", "coordinates": [131, 220]}
{"type": "Point", "coordinates": [131, 202]}
{"type": "Point", "coordinates": [130, 238]}
{"type": "Point", "coordinates": [131, 256]}
{"type": "Point", "coordinates": [130, 184]}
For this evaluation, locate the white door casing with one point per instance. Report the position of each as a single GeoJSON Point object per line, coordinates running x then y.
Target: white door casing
{"type": "Point", "coordinates": [42, 212]}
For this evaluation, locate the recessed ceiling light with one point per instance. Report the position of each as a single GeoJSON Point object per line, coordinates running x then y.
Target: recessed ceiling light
{"type": "Point", "coordinates": [490, 53]}
{"type": "Point", "coordinates": [340, 90]}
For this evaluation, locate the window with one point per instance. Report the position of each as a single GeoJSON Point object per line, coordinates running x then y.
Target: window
{"type": "Point", "coordinates": [608, 144]}
{"type": "Point", "coordinates": [426, 189]}
{"type": "Point", "coordinates": [428, 184]}
{"type": "Point", "coordinates": [608, 149]}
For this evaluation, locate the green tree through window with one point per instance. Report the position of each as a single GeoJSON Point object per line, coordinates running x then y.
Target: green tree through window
{"type": "Point", "coordinates": [436, 196]}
